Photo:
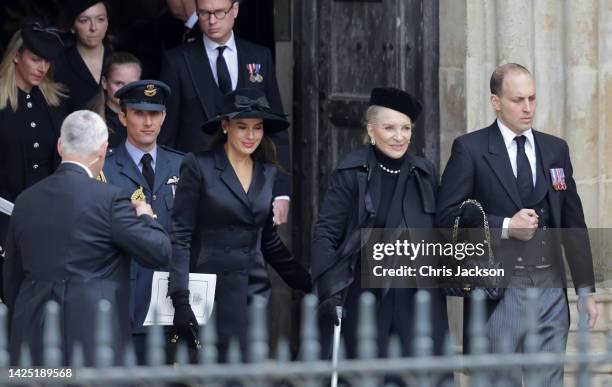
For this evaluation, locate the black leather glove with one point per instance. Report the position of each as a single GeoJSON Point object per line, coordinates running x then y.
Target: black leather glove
{"type": "Point", "coordinates": [327, 309]}
{"type": "Point", "coordinates": [185, 322]}
{"type": "Point", "coordinates": [305, 283]}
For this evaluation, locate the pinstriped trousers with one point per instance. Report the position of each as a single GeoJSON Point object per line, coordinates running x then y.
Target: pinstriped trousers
{"type": "Point", "coordinates": [507, 325]}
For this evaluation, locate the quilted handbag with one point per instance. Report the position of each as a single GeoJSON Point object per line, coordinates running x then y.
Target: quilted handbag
{"type": "Point", "coordinates": [464, 286]}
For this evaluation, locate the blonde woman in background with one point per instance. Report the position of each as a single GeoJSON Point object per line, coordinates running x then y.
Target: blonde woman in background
{"type": "Point", "coordinates": [31, 111]}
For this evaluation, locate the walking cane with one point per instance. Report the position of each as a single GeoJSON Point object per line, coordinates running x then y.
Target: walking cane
{"type": "Point", "coordinates": [336, 347]}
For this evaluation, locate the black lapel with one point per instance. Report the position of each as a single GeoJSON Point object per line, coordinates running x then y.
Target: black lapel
{"type": "Point", "coordinates": [259, 180]}
{"type": "Point", "coordinates": [201, 74]}
{"type": "Point", "coordinates": [228, 176]}
{"type": "Point", "coordinates": [548, 159]}
{"type": "Point", "coordinates": [127, 166]}
{"type": "Point", "coordinates": [365, 201]}
{"type": "Point", "coordinates": [242, 65]}
{"type": "Point", "coordinates": [500, 164]}
{"type": "Point", "coordinates": [80, 68]}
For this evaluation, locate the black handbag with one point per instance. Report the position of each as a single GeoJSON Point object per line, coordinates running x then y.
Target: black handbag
{"type": "Point", "coordinates": [462, 286]}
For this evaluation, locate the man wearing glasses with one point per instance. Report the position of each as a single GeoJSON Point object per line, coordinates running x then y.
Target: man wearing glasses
{"type": "Point", "coordinates": [200, 73]}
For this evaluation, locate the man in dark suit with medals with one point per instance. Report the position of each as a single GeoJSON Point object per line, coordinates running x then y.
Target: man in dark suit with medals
{"type": "Point", "coordinates": [523, 179]}
{"type": "Point", "coordinates": [140, 163]}
{"type": "Point", "coordinates": [68, 241]}
{"type": "Point", "coordinates": [200, 73]}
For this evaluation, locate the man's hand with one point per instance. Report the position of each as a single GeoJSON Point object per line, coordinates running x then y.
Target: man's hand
{"type": "Point", "coordinates": [523, 224]}
{"type": "Point", "coordinates": [588, 303]}
{"type": "Point", "coordinates": [142, 208]}
{"type": "Point", "coordinates": [280, 208]}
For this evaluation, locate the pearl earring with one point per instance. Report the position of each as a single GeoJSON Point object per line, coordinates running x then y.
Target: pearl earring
{"type": "Point", "coordinates": [224, 131]}
{"type": "Point", "coordinates": [372, 141]}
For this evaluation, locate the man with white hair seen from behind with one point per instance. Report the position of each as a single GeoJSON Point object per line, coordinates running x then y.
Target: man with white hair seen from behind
{"type": "Point", "coordinates": [68, 241]}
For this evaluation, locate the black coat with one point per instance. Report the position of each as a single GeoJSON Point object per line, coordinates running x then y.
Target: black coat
{"type": "Point", "coordinates": [350, 205]}
{"type": "Point", "coordinates": [27, 154]}
{"type": "Point", "coordinates": [69, 239]}
{"type": "Point", "coordinates": [71, 70]}
{"type": "Point", "coordinates": [218, 228]}
{"type": "Point", "coordinates": [19, 147]}
{"type": "Point", "coordinates": [196, 98]}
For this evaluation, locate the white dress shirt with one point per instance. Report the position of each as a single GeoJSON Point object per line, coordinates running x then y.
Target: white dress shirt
{"type": "Point", "coordinates": [230, 54]}
{"type": "Point", "coordinates": [511, 147]}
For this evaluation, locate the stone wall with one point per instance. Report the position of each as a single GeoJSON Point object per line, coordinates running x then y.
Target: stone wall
{"type": "Point", "coordinates": [567, 45]}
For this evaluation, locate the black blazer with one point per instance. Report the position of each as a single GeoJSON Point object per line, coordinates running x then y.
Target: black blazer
{"type": "Point", "coordinates": [69, 239]}
{"type": "Point", "coordinates": [71, 70]}
{"type": "Point", "coordinates": [218, 228]}
{"type": "Point", "coordinates": [196, 97]}
{"type": "Point", "coordinates": [479, 168]}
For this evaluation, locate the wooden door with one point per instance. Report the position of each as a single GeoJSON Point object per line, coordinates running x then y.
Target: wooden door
{"type": "Point", "coordinates": [344, 49]}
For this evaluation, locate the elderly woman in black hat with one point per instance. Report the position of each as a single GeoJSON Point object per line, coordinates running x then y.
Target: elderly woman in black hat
{"type": "Point", "coordinates": [376, 186]}
{"type": "Point", "coordinates": [80, 66]}
{"type": "Point", "coordinates": [222, 217]}
{"type": "Point", "coordinates": [31, 110]}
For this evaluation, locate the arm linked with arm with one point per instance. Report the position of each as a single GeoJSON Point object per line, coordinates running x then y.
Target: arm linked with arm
{"type": "Point", "coordinates": [276, 254]}
{"type": "Point", "coordinates": [456, 186]}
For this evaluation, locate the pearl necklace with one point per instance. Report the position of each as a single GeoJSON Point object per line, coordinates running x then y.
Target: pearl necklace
{"type": "Point", "coordinates": [391, 171]}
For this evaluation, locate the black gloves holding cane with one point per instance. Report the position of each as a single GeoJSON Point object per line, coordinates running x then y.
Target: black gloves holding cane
{"type": "Point", "coordinates": [327, 309]}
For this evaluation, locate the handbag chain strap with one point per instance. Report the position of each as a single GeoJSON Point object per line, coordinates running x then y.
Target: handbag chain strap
{"type": "Point", "coordinates": [485, 222]}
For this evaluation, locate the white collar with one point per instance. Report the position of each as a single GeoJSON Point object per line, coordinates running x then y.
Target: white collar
{"type": "Point", "coordinates": [509, 135]}
{"type": "Point", "coordinates": [211, 46]}
{"type": "Point", "coordinates": [85, 167]}
{"type": "Point", "coordinates": [193, 19]}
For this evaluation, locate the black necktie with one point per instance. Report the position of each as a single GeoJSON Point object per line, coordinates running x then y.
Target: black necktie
{"type": "Point", "coordinates": [524, 177]}
{"type": "Point", "coordinates": [223, 75]}
{"type": "Point", "coordinates": [147, 170]}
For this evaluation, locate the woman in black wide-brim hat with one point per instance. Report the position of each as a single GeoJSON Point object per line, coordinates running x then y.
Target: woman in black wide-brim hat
{"type": "Point", "coordinates": [378, 185]}
{"type": "Point", "coordinates": [222, 217]}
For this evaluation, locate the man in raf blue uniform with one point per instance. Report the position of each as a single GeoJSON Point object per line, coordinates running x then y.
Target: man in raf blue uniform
{"type": "Point", "coordinates": [141, 162]}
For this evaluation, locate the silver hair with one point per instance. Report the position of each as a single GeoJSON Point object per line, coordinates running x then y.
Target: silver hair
{"type": "Point", "coordinates": [371, 117]}
{"type": "Point", "coordinates": [83, 133]}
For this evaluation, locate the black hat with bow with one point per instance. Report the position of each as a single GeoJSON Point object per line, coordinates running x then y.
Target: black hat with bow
{"type": "Point", "coordinates": [41, 39]}
{"type": "Point", "coordinates": [247, 103]}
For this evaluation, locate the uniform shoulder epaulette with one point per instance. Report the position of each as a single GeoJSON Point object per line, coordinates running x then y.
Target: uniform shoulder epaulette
{"type": "Point", "coordinates": [167, 148]}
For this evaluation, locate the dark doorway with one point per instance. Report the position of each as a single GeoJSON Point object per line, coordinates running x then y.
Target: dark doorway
{"type": "Point", "coordinates": [255, 22]}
